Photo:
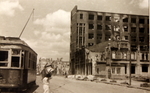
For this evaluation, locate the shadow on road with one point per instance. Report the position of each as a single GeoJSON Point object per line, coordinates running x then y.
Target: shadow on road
{"type": "Point", "coordinates": [32, 89]}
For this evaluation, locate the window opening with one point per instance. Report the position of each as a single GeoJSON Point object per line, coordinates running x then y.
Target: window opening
{"type": "Point", "coordinates": [81, 16]}
{"type": "Point", "coordinates": [91, 36]}
{"type": "Point", "coordinates": [118, 70]}
{"type": "Point", "coordinates": [90, 44]}
{"type": "Point", "coordinates": [133, 20]}
{"type": "Point", "coordinates": [99, 36]}
{"type": "Point", "coordinates": [107, 27]}
{"type": "Point", "coordinates": [125, 19]}
{"type": "Point", "coordinates": [91, 26]}
{"type": "Point", "coordinates": [125, 28]}
{"type": "Point", "coordinates": [15, 52]}
{"type": "Point", "coordinates": [126, 38]}
{"type": "Point", "coordinates": [3, 64]}
{"type": "Point", "coordinates": [97, 70]}
{"type": "Point", "coordinates": [116, 28]}
{"type": "Point", "coordinates": [141, 21]}
{"type": "Point", "coordinates": [15, 61]}
{"type": "Point", "coordinates": [107, 37]}
{"type": "Point", "coordinates": [132, 69]}
{"type": "Point", "coordinates": [146, 55]}
{"type": "Point", "coordinates": [141, 30]}
{"type": "Point", "coordinates": [143, 48]}
{"type": "Point", "coordinates": [133, 38]}
{"type": "Point", "coordinates": [80, 30]}
{"type": "Point", "coordinates": [91, 17]}
{"type": "Point", "coordinates": [116, 18]}
{"type": "Point", "coordinates": [142, 56]}
{"type": "Point", "coordinates": [132, 56]}
{"type": "Point", "coordinates": [144, 68]}
{"type": "Point", "coordinates": [133, 47]}
{"type": "Point", "coordinates": [99, 27]}
{"type": "Point", "coordinates": [99, 17]}
{"type": "Point", "coordinates": [113, 70]}
{"type": "Point", "coordinates": [80, 41]}
{"type": "Point", "coordinates": [141, 39]}
{"type": "Point", "coordinates": [133, 29]}
{"type": "Point", "coordinates": [3, 55]}
{"type": "Point", "coordinates": [125, 69]}
{"type": "Point", "coordinates": [113, 55]}
{"type": "Point", "coordinates": [124, 55]}
{"type": "Point", "coordinates": [108, 18]}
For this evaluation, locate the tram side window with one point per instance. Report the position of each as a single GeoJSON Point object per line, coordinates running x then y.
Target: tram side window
{"type": "Point", "coordinates": [3, 58]}
{"type": "Point", "coordinates": [29, 62]}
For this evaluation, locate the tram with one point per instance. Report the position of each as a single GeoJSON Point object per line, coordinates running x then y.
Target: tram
{"type": "Point", "coordinates": [17, 64]}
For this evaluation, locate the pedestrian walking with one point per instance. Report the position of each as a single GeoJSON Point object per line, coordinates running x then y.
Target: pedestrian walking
{"type": "Point", "coordinates": [46, 76]}
{"type": "Point", "coordinates": [46, 87]}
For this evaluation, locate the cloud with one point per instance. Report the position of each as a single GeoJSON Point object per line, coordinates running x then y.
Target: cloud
{"type": "Point", "coordinates": [57, 21]}
{"type": "Point", "coordinates": [143, 3]}
{"type": "Point", "coordinates": [54, 37]}
{"type": "Point", "coordinates": [8, 7]}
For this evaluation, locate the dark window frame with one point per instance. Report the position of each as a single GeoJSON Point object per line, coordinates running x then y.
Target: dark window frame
{"type": "Point", "coordinates": [91, 17]}
{"type": "Point", "coordinates": [90, 36]}
{"type": "Point", "coordinates": [81, 16]}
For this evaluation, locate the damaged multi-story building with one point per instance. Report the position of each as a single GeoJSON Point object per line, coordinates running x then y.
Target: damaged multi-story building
{"type": "Point", "coordinates": [105, 42]}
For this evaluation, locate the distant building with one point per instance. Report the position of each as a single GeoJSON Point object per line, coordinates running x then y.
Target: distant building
{"type": "Point", "coordinates": [42, 62]}
{"type": "Point", "coordinates": [101, 42]}
{"type": "Point", "coordinates": [61, 67]}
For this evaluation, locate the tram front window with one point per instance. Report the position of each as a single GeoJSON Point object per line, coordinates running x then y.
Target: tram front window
{"type": "Point", "coordinates": [15, 58]}
{"type": "Point", "coordinates": [15, 62]}
{"type": "Point", "coordinates": [3, 58]}
{"type": "Point", "coordinates": [3, 55]}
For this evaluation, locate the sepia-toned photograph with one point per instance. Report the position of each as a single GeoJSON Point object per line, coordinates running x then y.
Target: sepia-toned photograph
{"type": "Point", "coordinates": [74, 46]}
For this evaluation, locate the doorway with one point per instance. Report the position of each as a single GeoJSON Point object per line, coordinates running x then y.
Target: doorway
{"type": "Point", "coordinates": [133, 69]}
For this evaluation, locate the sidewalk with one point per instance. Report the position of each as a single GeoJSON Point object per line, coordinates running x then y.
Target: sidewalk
{"type": "Point", "coordinates": [134, 84]}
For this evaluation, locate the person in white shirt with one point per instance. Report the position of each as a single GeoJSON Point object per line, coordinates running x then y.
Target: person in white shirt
{"type": "Point", "coordinates": [46, 76]}
{"type": "Point", "coordinates": [46, 87]}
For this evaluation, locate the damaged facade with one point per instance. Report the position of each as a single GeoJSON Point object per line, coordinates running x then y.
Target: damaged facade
{"type": "Point", "coordinates": [101, 43]}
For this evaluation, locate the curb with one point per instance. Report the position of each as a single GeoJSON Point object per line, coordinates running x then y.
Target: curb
{"type": "Point", "coordinates": [129, 86]}
{"type": "Point", "coordinates": [148, 89]}
{"type": "Point", "coordinates": [114, 83]}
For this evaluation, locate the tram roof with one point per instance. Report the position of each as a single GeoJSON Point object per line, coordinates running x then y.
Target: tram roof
{"type": "Point", "coordinates": [13, 40]}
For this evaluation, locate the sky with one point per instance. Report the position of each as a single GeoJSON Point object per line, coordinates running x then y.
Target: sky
{"type": "Point", "coordinates": [48, 30]}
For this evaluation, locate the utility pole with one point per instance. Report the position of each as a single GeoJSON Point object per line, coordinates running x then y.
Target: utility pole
{"type": "Point", "coordinates": [130, 62]}
{"type": "Point", "coordinates": [86, 60]}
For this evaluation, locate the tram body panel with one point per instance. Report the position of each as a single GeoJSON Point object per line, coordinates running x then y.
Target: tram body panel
{"type": "Point", "coordinates": [10, 78]}
{"type": "Point", "coordinates": [31, 76]}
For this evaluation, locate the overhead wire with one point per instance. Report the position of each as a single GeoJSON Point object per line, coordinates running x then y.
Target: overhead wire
{"type": "Point", "coordinates": [26, 22]}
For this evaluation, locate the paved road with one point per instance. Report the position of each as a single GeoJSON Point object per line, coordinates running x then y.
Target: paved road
{"type": "Point", "coordinates": [63, 85]}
